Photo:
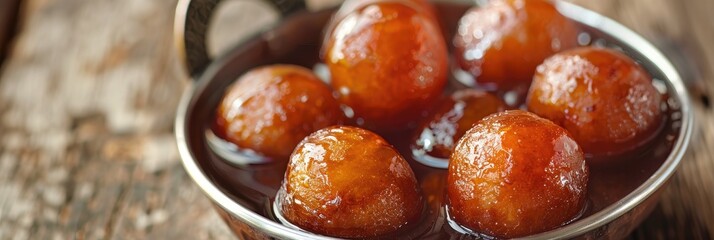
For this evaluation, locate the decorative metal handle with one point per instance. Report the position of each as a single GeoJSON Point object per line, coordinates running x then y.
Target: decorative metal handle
{"type": "Point", "coordinates": [191, 26]}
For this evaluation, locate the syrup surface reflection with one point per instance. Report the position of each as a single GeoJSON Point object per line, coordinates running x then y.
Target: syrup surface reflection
{"type": "Point", "coordinates": [435, 139]}
{"type": "Point", "coordinates": [255, 186]}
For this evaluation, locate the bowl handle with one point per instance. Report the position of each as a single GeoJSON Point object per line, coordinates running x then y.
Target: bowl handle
{"type": "Point", "coordinates": [191, 24]}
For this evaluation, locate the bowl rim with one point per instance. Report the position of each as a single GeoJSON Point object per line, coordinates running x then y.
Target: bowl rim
{"type": "Point", "coordinates": [582, 226]}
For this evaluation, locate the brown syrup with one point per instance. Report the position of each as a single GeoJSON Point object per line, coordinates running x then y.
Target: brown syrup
{"type": "Point", "coordinates": [255, 186]}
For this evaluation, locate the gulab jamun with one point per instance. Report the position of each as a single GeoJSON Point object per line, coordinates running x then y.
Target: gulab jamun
{"type": "Point", "coordinates": [437, 136]}
{"type": "Point", "coordinates": [420, 5]}
{"type": "Point", "coordinates": [387, 62]}
{"type": "Point", "coordinates": [502, 43]}
{"type": "Point", "coordinates": [602, 97]}
{"type": "Point", "coordinates": [270, 109]}
{"type": "Point", "coordinates": [349, 182]}
{"type": "Point", "coordinates": [516, 174]}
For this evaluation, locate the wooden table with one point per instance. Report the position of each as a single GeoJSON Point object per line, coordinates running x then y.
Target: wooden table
{"type": "Point", "coordinates": [89, 92]}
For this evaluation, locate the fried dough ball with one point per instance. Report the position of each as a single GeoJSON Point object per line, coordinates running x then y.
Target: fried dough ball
{"type": "Point", "coordinates": [387, 61]}
{"type": "Point", "coordinates": [349, 182]}
{"type": "Point", "coordinates": [602, 97]}
{"type": "Point", "coordinates": [515, 174]}
{"type": "Point", "coordinates": [270, 109]}
{"type": "Point", "coordinates": [456, 114]}
{"type": "Point", "coordinates": [501, 44]}
{"type": "Point", "coordinates": [420, 5]}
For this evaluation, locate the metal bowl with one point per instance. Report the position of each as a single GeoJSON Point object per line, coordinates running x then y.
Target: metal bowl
{"type": "Point", "coordinates": [301, 30]}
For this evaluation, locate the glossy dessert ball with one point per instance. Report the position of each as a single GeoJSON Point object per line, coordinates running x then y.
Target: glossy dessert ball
{"type": "Point", "coordinates": [515, 174]}
{"type": "Point", "coordinates": [270, 109]}
{"type": "Point", "coordinates": [420, 5]}
{"type": "Point", "coordinates": [501, 44]}
{"type": "Point", "coordinates": [349, 182]}
{"type": "Point", "coordinates": [437, 136]}
{"type": "Point", "coordinates": [387, 61]}
{"type": "Point", "coordinates": [349, 6]}
{"type": "Point", "coordinates": [603, 98]}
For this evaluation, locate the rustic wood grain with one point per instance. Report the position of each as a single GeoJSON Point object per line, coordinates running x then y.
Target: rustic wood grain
{"type": "Point", "coordinates": [87, 101]}
{"type": "Point", "coordinates": [89, 91]}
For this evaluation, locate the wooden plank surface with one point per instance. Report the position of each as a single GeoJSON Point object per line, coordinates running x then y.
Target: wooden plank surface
{"type": "Point", "coordinates": [89, 91]}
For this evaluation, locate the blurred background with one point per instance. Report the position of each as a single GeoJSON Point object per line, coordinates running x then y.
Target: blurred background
{"type": "Point", "coordinates": [89, 89]}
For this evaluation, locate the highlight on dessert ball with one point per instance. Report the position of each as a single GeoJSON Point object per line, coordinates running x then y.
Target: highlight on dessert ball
{"type": "Point", "coordinates": [515, 174]}
{"type": "Point", "coordinates": [349, 182]}
{"type": "Point", "coordinates": [387, 61]}
{"type": "Point", "coordinates": [500, 44]}
{"type": "Point", "coordinates": [436, 137]}
{"type": "Point", "coordinates": [270, 109]}
{"type": "Point", "coordinates": [602, 97]}
{"type": "Point", "coordinates": [422, 6]}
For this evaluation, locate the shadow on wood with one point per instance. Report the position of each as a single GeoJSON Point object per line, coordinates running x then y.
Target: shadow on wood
{"type": "Point", "coordinates": [8, 21]}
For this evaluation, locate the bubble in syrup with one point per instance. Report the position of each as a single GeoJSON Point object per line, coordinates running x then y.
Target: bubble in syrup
{"type": "Point", "coordinates": [555, 44]}
{"type": "Point", "coordinates": [462, 30]}
{"type": "Point", "coordinates": [349, 113]}
{"type": "Point", "coordinates": [322, 72]}
{"type": "Point", "coordinates": [584, 39]}
{"type": "Point", "coordinates": [464, 77]}
{"type": "Point", "coordinates": [673, 104]}
{"type": "Point", "coordinates": [478, 34]}
{"type": "Point", "coordinates": [344, 91]}
{"type": "Point", "coordinates": [659, 85]}
{"type": "Point", "coordinates": [473, 54]}
{"type": "Point", "coordinates": [600, 43]}
{"type": "Point", "coordinates": [511, 98]}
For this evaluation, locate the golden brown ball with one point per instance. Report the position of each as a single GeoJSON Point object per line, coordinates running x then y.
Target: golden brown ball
{"type": "Point", "coordinates": [270, 109]}
{"type": "Point", "coordinates": [501, 44]}
{"type": "Point", "coordinates": [349, 182]}
{"type": "Point", "coordinates": [387, 61]}
{"type": "Point", "coordinates": [515, 174]}
{"type": "Point", "coordinates": [602, 97]}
